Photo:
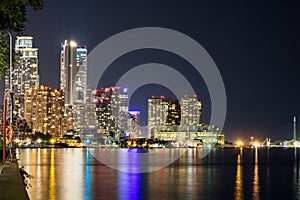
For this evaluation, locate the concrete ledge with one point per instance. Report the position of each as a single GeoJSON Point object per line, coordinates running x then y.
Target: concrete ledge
{"type": "Point", "coordinates": [11, 183]}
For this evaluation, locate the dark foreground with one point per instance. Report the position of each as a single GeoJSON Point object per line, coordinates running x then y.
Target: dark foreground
{"type": "Point", "coordinates": [11, 183]}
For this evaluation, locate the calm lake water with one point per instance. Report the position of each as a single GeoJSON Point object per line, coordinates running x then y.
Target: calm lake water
{"type": "Point", "coordinates": [223, 174]}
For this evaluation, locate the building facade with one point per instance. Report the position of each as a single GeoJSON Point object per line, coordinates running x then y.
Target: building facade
{"type": "Point", "coordinates": [25, 73]}
{"type": "Point", "coordinates": [119, 108]}
{"type": "Point", "coordinates": [57, 113]}
{"type": "Point", "coordinates": [81, 75]}
{"type": "Point", "coordinates": [73, 81]}
{"type": "Point", "coordinates": [73, 72]}
{"type": "Point", "coordinates": [112, 109]}
{"type": "Point", "coordinates": [44, 110]}
{"type": "Point", "coordinates": [133, 126]}
{"type": "Point", "coordinates": [206, 138]}
{"type": "Point", "coordinates": [157, 115]}
{"type": "Point", "coordinates": [174, 111]}
{"type": "Point", "coordinates": [190, 113]}
{"type": "Point", "coordinates": [67, 65]}
{"type": "Point", "coordinates": [90, 114]}
{"type": "Point", "coordinates": [162, 112]}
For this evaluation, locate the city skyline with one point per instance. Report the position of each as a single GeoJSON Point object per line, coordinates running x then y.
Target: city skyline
{"type": "Point", "coordinates": [149, 99]}
{"type": "Point", "coordinates": [90, 111]}
{"type": "Point", "coordinates": [78, 107]}
{"type": "Point", "coordinates": [256, 58]}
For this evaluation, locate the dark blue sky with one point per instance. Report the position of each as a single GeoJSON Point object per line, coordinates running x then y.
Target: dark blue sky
{"type": "Point", "coordinates": [254, 44]}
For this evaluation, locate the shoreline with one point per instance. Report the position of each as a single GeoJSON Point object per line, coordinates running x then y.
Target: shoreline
{"type": "Point", "coordinates": [10, 177]}
{"type": "Point", "coordinates": [113, 147]}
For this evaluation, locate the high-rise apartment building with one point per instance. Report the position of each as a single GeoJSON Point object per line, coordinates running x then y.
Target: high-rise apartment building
{"type": "Point", "coordinates": [79, 115]}
{"type": "Point", "coordinates": [57, 112]}
{"type": "Point", "coordinates": [190, 112]}
{"type": "Point", "coordinates": [73, 72]}
{"type": "Point", "coordinates": [24, 72]}
{"type": "Point", "coordinates": [112, 109]}
{"type": "Point", "coordinates": [90, 114]}
{"type": "Point", "coordinates": [119, 105]}
{"type": "Point", "coordinates": [73, 81]}
{"type": "Point", "coordinates": [162, 112]}
{"type": "Point", "coordinates": [103, 110]}
{"type": "Point", "coordinates": [68, 124]}
{"type": "Point", "coordinates": [166, 114]}
{"type": "Point", "coordinates": [80, 87]}
{"type": "Point", "coordinates": [174, 111]}
{"type": "Point", "coordinates": [134, 123]}
{"type": "Point", "coordinates": [44, 110]}
{"type": "Point", "coordinates": [157, 115]}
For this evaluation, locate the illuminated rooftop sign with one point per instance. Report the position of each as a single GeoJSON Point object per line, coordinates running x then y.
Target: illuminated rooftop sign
{"type": "Point", "coordinates": [134, 112]}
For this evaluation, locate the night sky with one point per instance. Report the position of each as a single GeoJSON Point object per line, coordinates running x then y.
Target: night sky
{"type": "Point", "coordinates": [255, 45]}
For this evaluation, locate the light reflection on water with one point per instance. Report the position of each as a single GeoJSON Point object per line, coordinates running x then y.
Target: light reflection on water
{"type": "Point", "coordinates": [52, 176]}
{"type": "Point", "coordinates": [131, 191]}
{"type": "Point", "coordinates": [87, 183]}
{"type": "Point", "coordinates": [239, 180]}
{"type": "Point", "coordinates": [222, 174]}
{"type": "Point", "coordinates": [296, 174]}
{"type": "Point", "coordinates": [256, 185]}
{"type": "Point", "coordinates": [139, 160]}
{"type": "Point", "coordinates": [38, 176]}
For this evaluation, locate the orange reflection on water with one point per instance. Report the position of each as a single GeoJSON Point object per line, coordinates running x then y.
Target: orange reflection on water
{"type": "Point", "coordinates": [38, 171]}
{"type": "Point", "coordinates": [256, 185]}
{"type": "Point", "coordinates": [238, 194]}
{"type": "Point", "coordinates": [52, 183]}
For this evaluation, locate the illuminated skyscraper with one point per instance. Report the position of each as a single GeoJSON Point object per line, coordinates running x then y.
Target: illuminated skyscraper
{"type": "Point", "coordinates": [174, 111]}
{"type": "Point", "coordinates": [73, 81]}
{"type": "Point", "coordinates": [57, 112]}
{"type": "Point", "coordinates": [190, 112]}
{"type": "Point", "coordinates": [24, 73]}
{"type": "Point", "coordinates": [44, 110]}
{"type": "Point", "coordinates": [157, 115]}
{"type": "Point", "coordinates": [90, 114]}
{"type": "Point", "coordinates": [80, 87]}
{"type": "Point", "coordinates": [134, 123]}
{"type": "Point", "coordinates": [112, 109]}
{"type": "Point", "coordinates": [162, 113]}
{"type": "Point", "coordinates": [73, 70]}
{"type": "Point", "coordinates": [119, 105]}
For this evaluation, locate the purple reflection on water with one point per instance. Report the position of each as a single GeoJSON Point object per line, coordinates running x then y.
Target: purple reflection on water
{"type": "Point", "coordinates": [130, 183]}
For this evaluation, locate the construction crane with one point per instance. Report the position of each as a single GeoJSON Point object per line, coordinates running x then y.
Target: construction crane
{"type": "Point", "coordinates": [267, 142]}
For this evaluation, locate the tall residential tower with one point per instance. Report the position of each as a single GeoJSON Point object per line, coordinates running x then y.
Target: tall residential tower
{"type": "Point", "coordinates": [24, 73]}
{"type": "Point", "coordinates": [73, 81]}
{"type": "Point", "coordinates": [112, 109]}
{"type": "Point", "coordinates": [190, 113]}
{"type": "Point", "coordinates": [44, 110]}
{"type": "Point", "coordinates": [73, 72]}
{"type": "Point", "coordinates": [162, 113]}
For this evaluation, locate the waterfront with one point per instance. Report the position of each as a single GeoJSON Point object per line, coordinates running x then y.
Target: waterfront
{"type": "Point", "coordinates": [223, 174]}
